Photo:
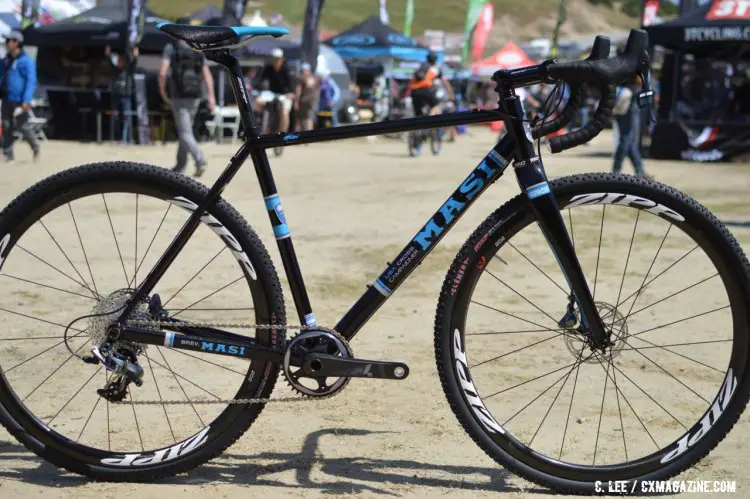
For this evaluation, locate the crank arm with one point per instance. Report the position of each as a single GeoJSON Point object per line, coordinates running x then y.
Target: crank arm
{"type": "Point", "coordinates": [321, 365]}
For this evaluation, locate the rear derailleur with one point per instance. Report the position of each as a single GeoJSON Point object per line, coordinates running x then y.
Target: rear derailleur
{"type": "Point", "coordinates": [124, 366]}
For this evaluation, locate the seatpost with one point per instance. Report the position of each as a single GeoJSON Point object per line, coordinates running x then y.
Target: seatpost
{"type": "Point", "coordinates": [225, 59]}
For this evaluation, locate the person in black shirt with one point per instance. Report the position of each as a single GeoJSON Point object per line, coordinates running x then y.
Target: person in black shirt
{"type": "Point", "coordinates": [122, 89]}
{"type": "Point", "coordinates": [274, 81]}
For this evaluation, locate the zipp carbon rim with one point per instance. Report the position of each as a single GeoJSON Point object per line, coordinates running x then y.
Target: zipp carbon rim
{"type": "Point", "coordinates": [648, 336]}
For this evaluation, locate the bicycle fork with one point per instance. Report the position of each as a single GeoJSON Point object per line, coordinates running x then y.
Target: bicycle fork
{"type": "Point", "coordinates": [533, 181]}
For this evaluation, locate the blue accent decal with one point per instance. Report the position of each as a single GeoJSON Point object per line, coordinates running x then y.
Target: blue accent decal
{"type": "Point", "coordinates": [310, 320]}
{"type": "Point", "coordinates": [272, 201]}
{"type": "Point", "coordinates": [538, 190]}
{"type": "Point", "coordinates": [281, 231]}
{"type": "Point", "coordinates": [259, 31]}
{"type": "Point", "coordinates": [382, 288]}
{"type": "Point", "coordinates": [290, 137]}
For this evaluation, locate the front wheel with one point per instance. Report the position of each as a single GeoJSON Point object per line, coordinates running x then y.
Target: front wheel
{"type": "Point", "coordinates": [671, 285]}
{"type": "Point", "coordinates": [72, 250]}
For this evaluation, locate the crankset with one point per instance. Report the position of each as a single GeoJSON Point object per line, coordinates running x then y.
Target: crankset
{"type": "Point", "coordinates": [320, 365]}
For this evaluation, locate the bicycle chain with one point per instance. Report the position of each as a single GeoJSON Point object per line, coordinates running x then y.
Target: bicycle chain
{"type": "Point", "coordinates": [295, 327]}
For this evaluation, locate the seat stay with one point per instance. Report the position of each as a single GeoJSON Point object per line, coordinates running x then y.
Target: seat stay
{"type": "Point", "coordinates": [208, 38]}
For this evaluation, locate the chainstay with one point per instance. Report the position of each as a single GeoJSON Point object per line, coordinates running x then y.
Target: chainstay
{"type": "Point", "coordinates": [293, 327]}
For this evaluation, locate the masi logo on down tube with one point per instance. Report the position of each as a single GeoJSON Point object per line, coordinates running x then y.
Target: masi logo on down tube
{"type": "Point", "coordinates": [223, 233]}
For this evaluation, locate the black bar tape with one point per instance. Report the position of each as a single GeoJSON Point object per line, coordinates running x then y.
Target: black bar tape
{"type": "Point", "coordinates": [601, 119]}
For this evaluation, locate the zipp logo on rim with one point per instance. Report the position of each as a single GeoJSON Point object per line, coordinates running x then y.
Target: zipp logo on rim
{"type": "Point", "coordinates": [709, 420]}
{"type": "Point", "coordinates": [625, 200]}
{"type": "Point", "coordinates": [162, 455]}
{"type": "Point", "coordinates": [482, 414]}
{"type": "Point", "coordinates": [222, 232]}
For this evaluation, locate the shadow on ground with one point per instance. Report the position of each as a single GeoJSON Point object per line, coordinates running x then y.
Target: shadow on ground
{"type": "Point", "coordinates": [344, 475]}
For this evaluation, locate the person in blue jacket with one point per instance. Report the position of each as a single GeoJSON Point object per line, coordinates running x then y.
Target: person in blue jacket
{"type": "Point", "coordinates": [18, 73]}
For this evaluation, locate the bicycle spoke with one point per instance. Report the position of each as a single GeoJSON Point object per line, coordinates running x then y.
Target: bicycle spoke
{"type": "Point", "coordinates": [207, 296]}
{"type": "Point", "coordinates": [153, 238]}
{"type": "Point", "coordinates": [648, 272]}
{"type": "Point", "coordinates": [632, 409]}
{"type": "Point", "coordinates": [117, 245]}
{"type": "Point", "coordinates": [654, 345]}
{"type": "Point", "coordinates": [516, 350]}
{"type": "Point", "coordinates": [570, 407]}
{"type": "Point", "coordinates": [75, 269]}
{"type": "Point", "coordinates": [49, 287]}
{"type": "Point", "coordinates": [96, 403]}
{"type": "Point", "coordinates": [38, 319]}
{"type": "Point", "coordinates": [622, 282]}
{"type": "Point", "coordinates": [619, 409]}
{"type": "Point", "coordinates": [650, 397]}
{"type": "Point", "coordinates": [195, 275]}
{"type": "Point", "coordinates": [666, 298]}
{"type": "Point", "coordinates": [549, 409]}
{"type": "Point", "coordinates": [207, 361]}
{"type": "Point", "coordinates": [654, 279]}
{"type": "Point", "coordinates": [49, 423]}
{"type": "Point", "coordinates": [54, 268]}
{"type": "Point", "coordinates": [516, 332]}
{"type": "Point", "coordinates": [598, 254]}
{"type": "Point", "coordinates": [601, 412]}
{"type": "Point", "coordinates": [41, 353]}
{"type": "Point", "coordinates": [53, 372]}
{"type": "Point", "coordinates": [83, 249]}
{"type": "Point", "coordinates": [505, 423]}
{"type": "Point", "coordinates": [522, 296]}
{"type": "Point", "coordinates": [135, 255]}
{"type": "Point", "coordinates": [135, 417]}
{"type": "Point", "coordinates": [175, 375]}
{"type": "Point", "coordinates": [511, 315]}
{"type": "Point", "coordinates": [156, 384]}
{"type": "Point", "coordinates": [537, 267]}
{"type": "Point", "coordinates": [667, 372]}
{"type": "Point", "coordinates": [533, 379]}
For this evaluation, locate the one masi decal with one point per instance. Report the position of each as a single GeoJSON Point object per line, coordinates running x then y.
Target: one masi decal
{"type": "Point", "coordinates": [470, 392]}
{"type": "Point", "coordinates": [625, 200]}
{"type": "Point", "coordinates": [222, 232]}
{"type": "Point", "coordinates": [162, 455]}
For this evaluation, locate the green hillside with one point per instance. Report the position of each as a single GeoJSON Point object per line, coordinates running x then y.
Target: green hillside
{"type": "Point", "coordinates": [525, 17]}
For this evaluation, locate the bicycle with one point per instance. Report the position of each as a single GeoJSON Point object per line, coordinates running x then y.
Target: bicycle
{"type": "Point", "coordinates": [591, 330]}
{"type": "Point", "coordinates": [416, 139]}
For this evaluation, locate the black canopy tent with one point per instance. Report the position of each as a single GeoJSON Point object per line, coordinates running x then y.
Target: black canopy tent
{"type": "Point", "coordinates": [103, 25]}
{"type": "Point", "coordinates": [703, 84]}
{"type": "Point", "coordinates": [371, 39]}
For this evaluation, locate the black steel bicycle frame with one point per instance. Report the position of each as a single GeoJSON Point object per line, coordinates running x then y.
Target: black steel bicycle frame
{"type": "Point", "coordinates": [516, 146]}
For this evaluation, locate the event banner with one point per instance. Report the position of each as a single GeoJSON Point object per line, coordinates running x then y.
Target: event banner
{"type": "Point", "coordinates": [310, 40]}
{"type": "Point", "coordinates": [29, 12]}
{"type": "Point", "coordinates": [409, 18]}
{"type": "Point", "coordinates": [473, 11]}
{"type": "Point", "coordinates": [136, 19]}
{"type": "Point", "coordinates": [650, 11]}
{"type": "Point", "coordinates": [234, 9]}
{"type": "Point", "coordinates": [482, 31]}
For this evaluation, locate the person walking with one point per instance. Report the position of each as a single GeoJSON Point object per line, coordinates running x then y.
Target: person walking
{"type": "Point", "coordinates": [17, 88]}
{"type": "Point", "coordinates": [122, 89]}
{"type": "Point", "coordinates": [628, 119]}
{"type": "Point", "coordinates": [189, 72]}
{"type": "Point", "coordinates": [306, 99]}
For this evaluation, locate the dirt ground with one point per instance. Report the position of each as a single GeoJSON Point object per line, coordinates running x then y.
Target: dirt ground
{"type": "Point", "coordinates": [351, 207]}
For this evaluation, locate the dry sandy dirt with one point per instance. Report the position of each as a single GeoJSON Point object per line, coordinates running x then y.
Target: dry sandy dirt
{"type": "Point", "coordinates": [351, 206]}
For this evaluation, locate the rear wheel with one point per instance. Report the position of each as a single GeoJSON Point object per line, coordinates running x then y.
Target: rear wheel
{"type": "Point", "coordinates": [671, 285]}
{"type": "Point", "coordinates": [77, 244]}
